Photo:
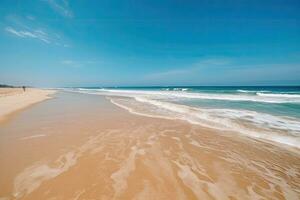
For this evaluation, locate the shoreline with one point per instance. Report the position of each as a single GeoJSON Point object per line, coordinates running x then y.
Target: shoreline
{"type": "Point", "coordinates": [15, 99]}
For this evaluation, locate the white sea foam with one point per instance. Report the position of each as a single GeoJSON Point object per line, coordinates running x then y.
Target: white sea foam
{"type": "Point", "coordinates": [279, 95]}
{"type": "Point", "coordinates": [260, 97]}
{"type": "Point", "coordinates": [252, 91]}
{"type": "Point", "coordinates": [94, 89]}
{"type": "Point", "coordinates": [180, 89]}
{"type": "Point", "coordinates": [246, 91]}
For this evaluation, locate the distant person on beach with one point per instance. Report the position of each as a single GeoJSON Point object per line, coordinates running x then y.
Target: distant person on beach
{"type": "Point", "coordinates": [24, 88]}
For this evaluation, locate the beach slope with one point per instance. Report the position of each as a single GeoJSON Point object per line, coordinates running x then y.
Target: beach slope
{"type": "Point", "coordinates": [14, 99]}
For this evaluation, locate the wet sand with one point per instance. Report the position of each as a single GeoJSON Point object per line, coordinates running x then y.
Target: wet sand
{"type": "Point", "coordinates": [79, 146]}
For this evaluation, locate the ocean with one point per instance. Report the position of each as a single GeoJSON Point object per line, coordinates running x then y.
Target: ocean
{"type": "Point", "coordinates": [270, 113]}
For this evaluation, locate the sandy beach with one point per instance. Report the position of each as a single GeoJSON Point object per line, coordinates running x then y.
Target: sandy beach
{"type": "Point", "coordinates": [14, 99]}
{"type": "Point", "coordinates": [79, 146]}
{"type": "Point", "coordinates": [150, 100]}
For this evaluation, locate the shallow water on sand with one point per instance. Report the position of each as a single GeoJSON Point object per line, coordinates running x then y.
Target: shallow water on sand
{"type": "Point", "coordinates": [80, 146]}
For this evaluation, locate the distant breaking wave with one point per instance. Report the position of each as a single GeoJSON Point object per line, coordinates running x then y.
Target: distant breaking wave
{"type": "Point", "coordinates": [245, 91]}
{"type": "Point", "coordinates": [260, 97]}
{"type": "Point", "coordinates": [251, 91]}
{"type": "Point", "coordinates": [280, 95]}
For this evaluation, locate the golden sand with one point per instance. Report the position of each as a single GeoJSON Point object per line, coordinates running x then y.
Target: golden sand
{"type": "Point", "coordinates": [83, 147]}
{"type": "Point", "coordinates": [14, 99]}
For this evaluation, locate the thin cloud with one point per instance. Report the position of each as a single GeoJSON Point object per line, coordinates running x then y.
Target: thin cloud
{"type": "Point", "coordinates": [61, 7]}
{"type": "Point", "coordinates": [30, 28]}
{"type": "Point", "coordinates": [67, 62]}
{"type": "Point", "coordinates": [76, 63]}
{"type": "Point", "coordinates": [34, 34]}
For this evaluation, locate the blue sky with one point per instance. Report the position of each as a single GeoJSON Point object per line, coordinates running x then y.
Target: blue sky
{"type": "Point", "coordinates": [54, 43]}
